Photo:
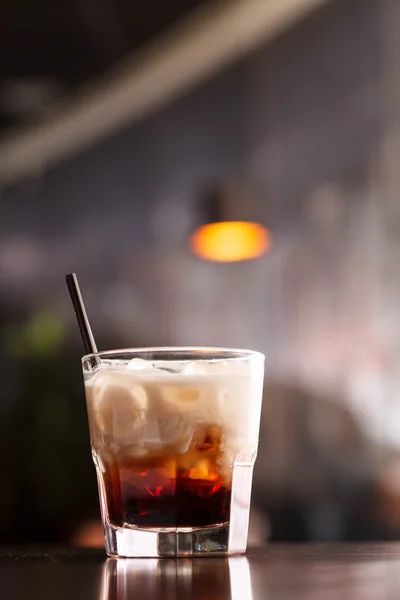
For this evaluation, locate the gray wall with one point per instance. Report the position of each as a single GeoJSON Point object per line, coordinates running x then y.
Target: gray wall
{"type": "Point", "coordinates": [304, 122]}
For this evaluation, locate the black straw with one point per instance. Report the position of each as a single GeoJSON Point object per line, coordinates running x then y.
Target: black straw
{"type": "Point", "coordinates": [79, 307]}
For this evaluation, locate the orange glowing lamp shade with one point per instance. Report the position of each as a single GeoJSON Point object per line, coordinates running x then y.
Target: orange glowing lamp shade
{"type": "Point", "coordinates": [230, 241]}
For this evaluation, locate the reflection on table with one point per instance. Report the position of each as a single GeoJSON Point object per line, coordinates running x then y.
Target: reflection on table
{"type": "Point", "coordinates": [199, 579]}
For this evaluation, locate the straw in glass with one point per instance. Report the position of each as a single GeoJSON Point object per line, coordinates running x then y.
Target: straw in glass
{"type": "Point", "coordinates": [81, 316]}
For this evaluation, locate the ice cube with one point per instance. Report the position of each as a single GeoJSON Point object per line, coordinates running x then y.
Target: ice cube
{"type": "Point", "coordinates": [194, 368]}
{"type": "Point", "coordinates": [185, 402]}
{"type": "Point", "coordinates": [156, 368]}
{"type": "Point", "coordinates": [215, 367]}
{"type": "Point", "coordinates": [118, 403]}
{"type": "Point", "coordinates": [138, 364]}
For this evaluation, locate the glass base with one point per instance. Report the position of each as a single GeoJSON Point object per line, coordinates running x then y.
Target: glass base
{"type": "Point", "coordinates": [223, 539]}
{"type": "Point", "coordinates": [130, 541]}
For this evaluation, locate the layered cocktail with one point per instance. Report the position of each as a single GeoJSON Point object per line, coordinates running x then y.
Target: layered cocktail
{"type": "Point", "coordinates": [174, 436]}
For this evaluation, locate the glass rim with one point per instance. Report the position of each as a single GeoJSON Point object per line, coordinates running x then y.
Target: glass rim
{"type": "Point", "coordinates": [211, 350]}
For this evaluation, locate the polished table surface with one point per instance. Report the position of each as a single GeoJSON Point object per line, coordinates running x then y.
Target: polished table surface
{"type": "Point", "coordinates": [315, 572]}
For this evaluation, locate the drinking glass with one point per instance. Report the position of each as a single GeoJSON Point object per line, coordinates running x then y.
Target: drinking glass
{"type": "Point", "coordinates": [174, 435]}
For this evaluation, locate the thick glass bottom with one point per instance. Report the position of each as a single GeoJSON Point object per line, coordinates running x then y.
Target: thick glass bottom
{"type": "Point", "coordinates": [167, 542]}
{"type": "Point", "coordinates": [224, 539]}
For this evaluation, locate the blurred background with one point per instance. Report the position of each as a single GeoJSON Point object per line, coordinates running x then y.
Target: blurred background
{"type": "Point", "coordinates": [124, 127]}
